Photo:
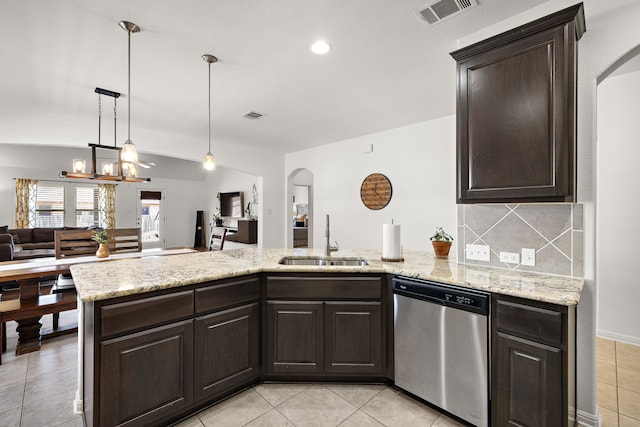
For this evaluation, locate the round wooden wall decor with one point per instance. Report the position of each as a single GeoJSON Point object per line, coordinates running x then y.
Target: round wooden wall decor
{"type": "Point", "coordinates": [376, 191]}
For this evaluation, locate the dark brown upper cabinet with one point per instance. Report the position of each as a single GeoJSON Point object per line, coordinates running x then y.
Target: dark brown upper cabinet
{"type": "Point", "coordinates": [516, 113]}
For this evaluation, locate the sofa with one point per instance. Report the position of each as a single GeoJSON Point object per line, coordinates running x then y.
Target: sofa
{"type": "Point", "coordinates": [27, 243]}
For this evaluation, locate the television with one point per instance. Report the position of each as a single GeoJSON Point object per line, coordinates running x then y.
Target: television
{"type": "Point", "coordinates": [232, 204]}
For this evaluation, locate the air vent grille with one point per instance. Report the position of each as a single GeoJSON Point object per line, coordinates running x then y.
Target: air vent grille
{"type": "Point", "coordinates": [252, 115]}
{"type": "Point", "coordinates": [443, 9]}
{"type": "Point", "coordinates": [428, 16]}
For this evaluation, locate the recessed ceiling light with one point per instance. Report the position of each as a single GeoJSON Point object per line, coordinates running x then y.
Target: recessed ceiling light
{"type": "Point", "coordinates": [320, 47]}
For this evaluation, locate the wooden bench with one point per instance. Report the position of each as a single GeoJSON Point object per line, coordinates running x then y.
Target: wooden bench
{"type": "Point", "coordinates": [34, 308]}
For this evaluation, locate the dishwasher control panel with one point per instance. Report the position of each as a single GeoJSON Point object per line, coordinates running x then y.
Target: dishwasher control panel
{"type": "Point", "coordinates": [439, 293]}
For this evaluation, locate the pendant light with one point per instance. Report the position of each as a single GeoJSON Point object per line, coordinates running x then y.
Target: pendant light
{"type": "Point", "coordinates": [209, 162]}
{"type": "Point", "coordinates": [129, 152]}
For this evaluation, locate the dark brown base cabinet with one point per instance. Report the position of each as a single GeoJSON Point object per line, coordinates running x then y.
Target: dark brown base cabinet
{"type": "Point", "coordinates": [150, 359]}
{"type": "Point", "coordinates": [295, 337]}
{"type": "Point", "coordinates": [325, 326]}
{"type": "Point", "coordinates": [227, 350]}
{"type": "Point", "coordinates": [306, 337]}
{"type": "Point", "coordinates": [154, 358]}
{"type": "Point", "coordinates": [533, 363]}
{"type": "Point", "coordinates": [132, 390]}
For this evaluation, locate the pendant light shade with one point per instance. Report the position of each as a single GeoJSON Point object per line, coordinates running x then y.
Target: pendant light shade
{"type": "Point", "coordinates": [209, 162]}
{"type": "Point", "coordinates": [129, 152]}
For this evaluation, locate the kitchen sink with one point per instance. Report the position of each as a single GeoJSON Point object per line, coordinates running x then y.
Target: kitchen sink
{"type": "Point", "coordinates": [322, 261]}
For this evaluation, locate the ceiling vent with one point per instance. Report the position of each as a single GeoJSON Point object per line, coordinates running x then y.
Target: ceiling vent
{"type": "Point", "coordinates": [253, 115]}
{"type": "Point", "coordinates": [444, 9]}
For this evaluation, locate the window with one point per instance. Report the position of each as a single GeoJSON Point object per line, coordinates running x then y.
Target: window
{"type": "Point", "coordinates": [87, 212]}
{"type": "Point", "coordinates": [53, 204]}
{"type": "Point", "coordinates": [49, 210]}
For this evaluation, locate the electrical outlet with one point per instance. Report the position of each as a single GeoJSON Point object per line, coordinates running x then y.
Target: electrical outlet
{"type": "Point", "coordinates": [510, 257]}
{"type": "Point", "coordinates": [478, 252]}
{"type": "Point", "coordinates": [529, 257]}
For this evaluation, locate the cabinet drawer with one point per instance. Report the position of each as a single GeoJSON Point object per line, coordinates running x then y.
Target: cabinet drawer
{"type": "Point", "coordinates": [226, 295]}
{"type": "Point", "coordinates": [534, 323]}
{"type": "Point", "coordinates": [146, 312]}
{"type": "Point", "coordinates": [336, 288]}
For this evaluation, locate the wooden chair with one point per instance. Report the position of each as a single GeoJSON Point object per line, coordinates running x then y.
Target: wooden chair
{"type": "Point", "coordinates": [3, 333]}
{"type": "Point", "coordinates": [69, 244]}
{"type": "Point", "coordinates": [74, 243]}
{"type": "Point", "coordinates": [124, 240]}
{"type": "Point", "coordinates": [218, 234]}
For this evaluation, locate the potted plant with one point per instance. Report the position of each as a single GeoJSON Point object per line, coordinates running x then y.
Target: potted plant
{"type": "Point", "coordinates": [101, 238]}
{"type": "Point", "coordinates": [217, 216]}
{"type": "Point", "coordinates": [441, 242]}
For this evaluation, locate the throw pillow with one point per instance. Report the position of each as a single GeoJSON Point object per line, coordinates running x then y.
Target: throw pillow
{"type": "Point", "coordinates": [16, 239]}
{"type": "Point", "coordinates": [4, 229]}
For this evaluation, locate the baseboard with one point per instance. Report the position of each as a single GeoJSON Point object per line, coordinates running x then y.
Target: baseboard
{"type": "Point", "coordinates": [588, 420]}
{"type": "Point", "coordinates": [618, 337]}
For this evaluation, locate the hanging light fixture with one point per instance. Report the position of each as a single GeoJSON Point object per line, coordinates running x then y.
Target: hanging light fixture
{"type": "Point", "coordinates": [117, 170]}
{"type": "Point", "coordinates": [129, 152]}
{"type": "Point", "coordinates": [209, 162]}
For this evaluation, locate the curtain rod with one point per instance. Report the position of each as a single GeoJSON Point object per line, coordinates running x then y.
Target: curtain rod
{"type": "Point", "coordinates": [88, 181]}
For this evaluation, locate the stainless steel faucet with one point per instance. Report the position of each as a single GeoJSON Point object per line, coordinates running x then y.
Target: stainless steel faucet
{"type": "Point", "coordinates": [328, 248]}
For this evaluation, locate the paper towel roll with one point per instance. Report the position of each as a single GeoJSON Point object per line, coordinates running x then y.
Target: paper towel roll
{"type": "Point", "coordinates": [391, 241]}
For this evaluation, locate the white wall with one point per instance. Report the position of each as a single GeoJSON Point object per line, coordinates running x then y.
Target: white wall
{"type": "Point", "coordinates": [225, 180]}
{"type": "Point", "coordinates": [268, 167]}
{"type": "Point", "coordinates": [618, 225]}
{"type": "Point", "coordinates": [419, 160]}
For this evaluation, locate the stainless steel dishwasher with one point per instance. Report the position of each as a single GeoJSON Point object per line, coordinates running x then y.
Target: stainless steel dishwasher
{"type": "Point", "coordinates": [442, 346]}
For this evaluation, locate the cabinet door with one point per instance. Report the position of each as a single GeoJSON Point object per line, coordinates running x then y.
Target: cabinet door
{"type": "Point", "coordinates": [247, 231]}
{"type": "Point", "coordinates": [294, 337]}
{"type": "Point", "coordinates": [353, 337]}
{"type": "Point", "coordinates": [516, 113]}
{"type": "Point", "coordinates": [227, 352]}
{"type": "Point", "coordinates": [528, 389]}
{"type": "Point", "coordinates": [146, 376]}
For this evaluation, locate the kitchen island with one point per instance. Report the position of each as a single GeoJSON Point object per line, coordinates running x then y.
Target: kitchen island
{"type": "Point", "coordinates": [164, 337]}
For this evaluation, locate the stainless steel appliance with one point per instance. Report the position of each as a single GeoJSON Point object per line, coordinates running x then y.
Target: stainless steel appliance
{"type": "Point", "coordinates": [442, 346]}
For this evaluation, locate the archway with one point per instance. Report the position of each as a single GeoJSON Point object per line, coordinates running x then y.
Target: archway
{"type": "Point", "coordinates": [617, 206]}
{"type": "Point", "coordinates": [299, 209]}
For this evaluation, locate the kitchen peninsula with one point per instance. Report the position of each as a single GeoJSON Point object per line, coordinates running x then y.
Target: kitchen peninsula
{"type": "Point", "coordinates": [163, 337]}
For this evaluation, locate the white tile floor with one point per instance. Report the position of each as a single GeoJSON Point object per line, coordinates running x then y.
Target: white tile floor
{"type": "Point", "coordinates": [37, 389]}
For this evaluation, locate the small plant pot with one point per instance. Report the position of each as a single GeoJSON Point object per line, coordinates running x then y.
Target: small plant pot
{"type": "Point", "coordinates": [441, 249]}
{"type": "Point", "coordinates": [218, 222]}
{"type": "Point", "coordinates": [102, 251]}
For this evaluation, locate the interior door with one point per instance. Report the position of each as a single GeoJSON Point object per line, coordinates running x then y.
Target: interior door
{"type": "Point", "coordinates": [151, 215]}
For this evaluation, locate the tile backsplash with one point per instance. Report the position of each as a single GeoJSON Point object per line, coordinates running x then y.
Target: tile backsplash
{"type": "Point", "coordinates": [555, 231]}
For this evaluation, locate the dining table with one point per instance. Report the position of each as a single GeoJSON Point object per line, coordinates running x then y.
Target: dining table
{"type": "Point", "coordinates": [28, 274]}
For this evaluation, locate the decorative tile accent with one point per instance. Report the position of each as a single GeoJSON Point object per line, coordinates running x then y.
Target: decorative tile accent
{"type": "Point", "coordinates": [553, 230]}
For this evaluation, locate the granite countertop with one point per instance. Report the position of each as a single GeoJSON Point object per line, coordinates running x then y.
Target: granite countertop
{"type": "Point", "coordinates": [110, 279]}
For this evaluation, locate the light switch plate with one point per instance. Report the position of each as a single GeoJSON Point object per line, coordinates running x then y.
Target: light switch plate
{"type": "Point", "coordinates": [529, 257]}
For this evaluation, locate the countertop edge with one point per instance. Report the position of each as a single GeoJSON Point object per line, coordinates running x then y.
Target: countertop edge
{"type": "Point", "coordinates": [142, 275]}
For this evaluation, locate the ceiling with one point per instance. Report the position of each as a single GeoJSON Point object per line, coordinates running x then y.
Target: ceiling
{"type": "Point", "coordinates": [387, 69]}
